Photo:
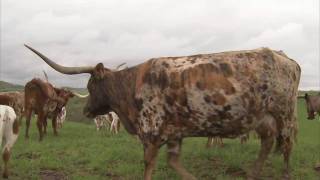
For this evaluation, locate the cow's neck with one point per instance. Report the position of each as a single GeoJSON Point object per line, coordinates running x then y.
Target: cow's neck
{"type": "Point", "coordinates": [120, 90]}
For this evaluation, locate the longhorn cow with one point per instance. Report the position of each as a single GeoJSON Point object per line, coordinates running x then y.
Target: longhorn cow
{"type": "Point", "coordinates": [164, 100]}
{"type": "Point", "coordinates": [46, 101]}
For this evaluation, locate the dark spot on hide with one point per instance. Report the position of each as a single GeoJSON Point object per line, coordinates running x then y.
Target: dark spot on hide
{"type": "Point", "coordinates": [165, 64]}
{"type": "Point", "coordinates": [226, 69]}
{"type": "Point", "coordinates": [264, 87]}
{"type": "Point", "coordinates": [169, 100]}
{"type": "Point", "coordinates": [139, 103]}
{"type": "Point", "coordinates": [217, 99]}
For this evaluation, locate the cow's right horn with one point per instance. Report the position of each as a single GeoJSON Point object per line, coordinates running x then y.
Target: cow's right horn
{"type": "Point", "coordinates": [62, 69]}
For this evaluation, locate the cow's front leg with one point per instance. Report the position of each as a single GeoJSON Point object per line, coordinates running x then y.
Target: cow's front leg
{"type": "Point", "coordinates": [40, 125]}
{"type": "Point", "coordinates": [150, 155]}
{"type": "Point", "coordinates": [174, 149]}
{"type": "Point", "coordinates": [28, 114]}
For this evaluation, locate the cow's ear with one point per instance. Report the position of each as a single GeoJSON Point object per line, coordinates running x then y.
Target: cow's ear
{"type": "Point", "coordinates": [99, 71]}
{"type": "Point", "coordinates": [306, 96]}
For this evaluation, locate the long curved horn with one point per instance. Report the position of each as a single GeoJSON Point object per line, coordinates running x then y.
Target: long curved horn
{"type": "Point", "coordinates": [62, 69]}
{"type": "Point", "coordinates": [79, 95]}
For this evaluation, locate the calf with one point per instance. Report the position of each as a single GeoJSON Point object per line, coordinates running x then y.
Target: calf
{"type": "Point", "coordinates": [9, 129]}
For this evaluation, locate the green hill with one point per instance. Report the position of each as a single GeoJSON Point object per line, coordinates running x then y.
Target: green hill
{"type": "Point", "coordinates": [5, 86]}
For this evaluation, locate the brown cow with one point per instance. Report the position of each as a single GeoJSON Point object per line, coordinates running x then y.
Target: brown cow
{"type": "Point", "coordinates": [45, 100]}
{"type": "Point", "coordinates": [224, 94]}
{"type": "Point", "coordinates": [14, 99]}
{"type": "Point", "coordinates": [313, 105]}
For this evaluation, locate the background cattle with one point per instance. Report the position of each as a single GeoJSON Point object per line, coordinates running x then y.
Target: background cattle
{"type": "Point", "coordinates": [222, 94]}
{"type": "Point", "coordinates": [110, 119]}
{"type": "Point", "coordinates": [313, 105]}
{"type": "Point", "coordinates": [61, 117]}
{"type": "Point", "coordinates": [9, 129]}
{"type": "Point", "coordinates": [15, 100]}
{"type": "Point", "coordinates": [45, 100]}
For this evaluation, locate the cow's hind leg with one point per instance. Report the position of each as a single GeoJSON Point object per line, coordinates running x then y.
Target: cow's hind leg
{"type": "Point", "coordinates": [267, 132]}
{"type": "Point", "coordinates": [40, 125]}
{"type": "Point", "coordinates": [28, 114]}
{"type": "Point", "coordinates": [11, 138]}
{"type": "Point", "coordinates": [174, 149]}
{"type": "Point", "coordinates": [5, 157]}
{"type": "Point", "coordinates": [150, 155]}
{"type": "Point", "coordinates": [45, 125]}
{"type": "Point", "coordinates": [286, 156]}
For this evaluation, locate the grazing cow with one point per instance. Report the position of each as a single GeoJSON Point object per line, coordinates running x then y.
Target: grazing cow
{"type": "Point", "coordinates": [313, 105]}
{"type": "Point", "coordinates": [15, 100]}
{"type": "Point", "coordinates": [110, 119]}
{"type": "Point", "coordinates": [224, 94]}
{"type": "Point", "coordinates": [45, 100]}
{"type": "Point", "coordinates": [102, 121]}
{"type": "Point", "coordinates": [9, 129]}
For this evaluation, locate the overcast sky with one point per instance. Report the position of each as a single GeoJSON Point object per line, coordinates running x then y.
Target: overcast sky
{"type": "Point", "coordinates": [83, 32]}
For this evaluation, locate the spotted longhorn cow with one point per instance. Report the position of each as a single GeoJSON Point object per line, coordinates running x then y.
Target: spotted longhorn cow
{"type": "Point", "coordinates": [164, 100]}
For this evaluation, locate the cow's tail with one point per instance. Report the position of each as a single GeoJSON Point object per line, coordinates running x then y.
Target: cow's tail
{"type": "Point", "coordinates": [288, 126]}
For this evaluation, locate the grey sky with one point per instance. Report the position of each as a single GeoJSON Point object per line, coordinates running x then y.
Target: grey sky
{"type": "Point", "coordinates": [79, 32]}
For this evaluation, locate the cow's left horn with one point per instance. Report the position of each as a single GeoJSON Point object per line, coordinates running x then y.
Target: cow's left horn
{"type": "Point", "coordinates": [79, 95]}
{"type": "Point", "coordinates": [117, 68]}
{"type": "Point", "coordinates": [62, 69]}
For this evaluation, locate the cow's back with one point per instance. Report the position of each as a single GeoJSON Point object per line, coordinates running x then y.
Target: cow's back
{"type": "Point", "coordinates": [222, 94]}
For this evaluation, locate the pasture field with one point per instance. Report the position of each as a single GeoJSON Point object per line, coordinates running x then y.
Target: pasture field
{"type": "Point", "coordinates": [80, 152]}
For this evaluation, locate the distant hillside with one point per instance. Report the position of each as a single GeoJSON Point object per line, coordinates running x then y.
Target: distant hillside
{"type": "Point", "coordinates": [5, 86]}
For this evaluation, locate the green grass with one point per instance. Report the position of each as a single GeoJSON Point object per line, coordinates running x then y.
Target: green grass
{"type": "Point", "coordinates": [80, 152]}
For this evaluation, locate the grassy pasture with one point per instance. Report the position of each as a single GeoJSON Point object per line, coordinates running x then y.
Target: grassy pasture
{"type": "Point", "coordinates": [82, 153]}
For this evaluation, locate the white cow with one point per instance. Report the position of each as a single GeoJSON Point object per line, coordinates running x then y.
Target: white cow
{"type": "Point", "coordinates": [9, 129]}
{"type": "Point", "coordinates": [61, 117]}
{"type": "Point", "coordinates": [110, 119]}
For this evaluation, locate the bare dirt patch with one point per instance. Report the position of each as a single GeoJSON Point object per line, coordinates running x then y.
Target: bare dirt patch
{"type": "Point", "coordinates": [50, 174]}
